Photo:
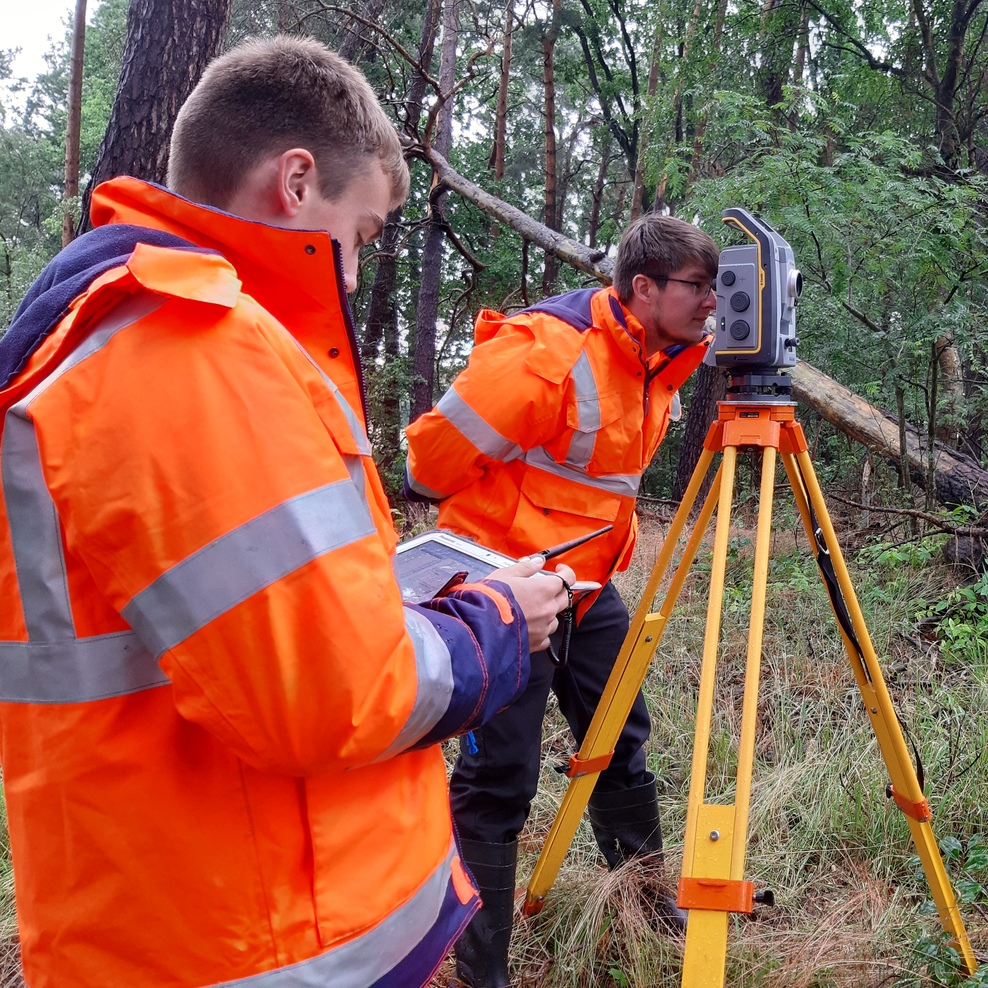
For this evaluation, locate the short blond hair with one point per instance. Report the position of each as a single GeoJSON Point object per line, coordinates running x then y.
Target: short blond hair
{"type": "Point", "coordinates": [269, 95]}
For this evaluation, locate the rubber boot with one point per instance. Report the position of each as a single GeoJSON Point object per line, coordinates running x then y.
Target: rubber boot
{"type": "Point", "coordinates": [626, 825]}
{"type": "Point", "coordinates": [482, 950]}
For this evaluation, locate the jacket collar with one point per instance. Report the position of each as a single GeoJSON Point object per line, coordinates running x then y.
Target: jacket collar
{"type": "Point", "coordinates": [66, 277]}
{"type": "Point", "coordinates": [295, 274]}
{"type": "Point", "coordinates": [674, 364]}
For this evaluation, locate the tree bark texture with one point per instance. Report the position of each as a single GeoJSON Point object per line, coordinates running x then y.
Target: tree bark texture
{"type": "Point", "coordinates": [382, 316]}
{"type": "Point", "coordinates": [652, 87]}
{"type": "Point", "coordinates": [699, 136]}
{"type": "Point", "coordinates": [501, 115]}
{"type": "Point", "coordinates": [74, 118]}
{"type": "Point", "coordinates": [553, 207]}
{"type": "Point", "coordinates": [381, 326]}
{"type": "Point", "coordinates": [951, 376]}
{"type": "Point", "coordinates": [424, 358]}
{"type": "Point", "coordinates": [169, 44]}
{"type": "Point", "coordinates": [357, 35]}
{"type": "Point", "coordinates": [597, 198]}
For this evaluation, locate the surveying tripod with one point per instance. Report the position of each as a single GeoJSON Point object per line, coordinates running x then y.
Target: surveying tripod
{"type": "Point", "coordinates": [712, 884]}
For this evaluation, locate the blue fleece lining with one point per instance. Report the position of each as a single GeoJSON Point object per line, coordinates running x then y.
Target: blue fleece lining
{"type": "Point", "coordinates": [65, 278]}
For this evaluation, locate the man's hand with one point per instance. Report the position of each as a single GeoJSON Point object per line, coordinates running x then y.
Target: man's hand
{"type": "Point", "coordinates": [540, 598]}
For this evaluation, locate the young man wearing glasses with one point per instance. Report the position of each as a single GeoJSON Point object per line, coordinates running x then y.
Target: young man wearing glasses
{"type": "Point", "coordinates": [544, 438]}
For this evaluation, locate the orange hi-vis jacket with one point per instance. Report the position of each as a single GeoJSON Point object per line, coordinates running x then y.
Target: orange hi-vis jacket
{"type": "Point", "coordinates": [545, 435]}
{"type": "Point", "coordinates": [218, 722]}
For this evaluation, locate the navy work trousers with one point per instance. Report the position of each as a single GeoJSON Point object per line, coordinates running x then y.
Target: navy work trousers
{"type": "Point", "coordinates": [491, 791]}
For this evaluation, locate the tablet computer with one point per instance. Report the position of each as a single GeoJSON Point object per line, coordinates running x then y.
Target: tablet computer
{"type": "Point", "coordinates": [425, 564]}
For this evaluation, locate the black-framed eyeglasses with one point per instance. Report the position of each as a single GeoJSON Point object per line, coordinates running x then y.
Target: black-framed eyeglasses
{"type": "Point", "coordinates": [701, 289]}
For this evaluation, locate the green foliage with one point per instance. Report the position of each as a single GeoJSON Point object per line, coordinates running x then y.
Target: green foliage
{"type": "Point", "coordinates": [967, 867]}
{"type": "Point", "coordinates": [962, 622]}
{"type": "Point", "coordinates": [32, 148]}
{"type": "Point", "coordinates": [893, 257]}
{"type": "Point", "coordinates": [890, 558]}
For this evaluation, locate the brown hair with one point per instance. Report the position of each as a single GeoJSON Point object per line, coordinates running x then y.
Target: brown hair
{"type": "Point", "coordinates": [658, 245]}
{"type": "Point", "coordinates": [266, 96]}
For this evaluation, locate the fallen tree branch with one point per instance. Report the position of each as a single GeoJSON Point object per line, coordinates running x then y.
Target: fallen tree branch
{"type": "Point", "coordinates": [958, 478]}
{"type": "Point", "coordinates": [937, 521]}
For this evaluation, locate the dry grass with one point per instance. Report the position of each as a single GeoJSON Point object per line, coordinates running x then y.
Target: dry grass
{"type": "Point", "coordinates": [11, 975]}
{"type": "Point", "coordinates": [821, 835]}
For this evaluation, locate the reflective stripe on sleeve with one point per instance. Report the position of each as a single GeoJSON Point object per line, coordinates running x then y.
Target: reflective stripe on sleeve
{"type": "Point", "coordinates": [34, 527]}
{"type": "Point", "coordinates": [419, 487]}
{"type": "Point", "coordinates": [364, 961]}
{"type": "Point", "coordinates": [625, 484]}
{"type": "Point", "coordinates": [434, 668]}
{"type": "Point", "coordinates": [476, 429]}
{"type": "Point", "coordinates": [78, 670]}
{"type": "Point", "coordinates": [243, 561]}
{"type": "Point", "coordinates": [54, 666]}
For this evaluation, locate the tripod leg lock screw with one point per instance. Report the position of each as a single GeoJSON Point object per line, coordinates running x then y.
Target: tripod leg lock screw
{"type": "Point", "coordinates": [766, 898]}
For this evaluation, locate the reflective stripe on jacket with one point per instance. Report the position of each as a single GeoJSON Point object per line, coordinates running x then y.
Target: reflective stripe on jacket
{"type": "Point", "coordinates": [546, 434]}
{"type": "Point", "coordinates": [217, 720]}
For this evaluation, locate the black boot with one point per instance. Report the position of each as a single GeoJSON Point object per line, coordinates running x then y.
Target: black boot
{"type": "Point", "coordinates": [482, 950]}
{"type": "Point", "coordinates": [625, 823]}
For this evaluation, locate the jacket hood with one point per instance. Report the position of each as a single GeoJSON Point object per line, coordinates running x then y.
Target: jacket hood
{"type": "Point", "coordinates": [64, 279]}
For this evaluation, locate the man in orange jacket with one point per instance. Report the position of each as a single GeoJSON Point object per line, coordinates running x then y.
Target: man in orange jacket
{"type": "Point", "coordinates": [544, 438]}
{"type": "Point", "coordinates": [218, 722]}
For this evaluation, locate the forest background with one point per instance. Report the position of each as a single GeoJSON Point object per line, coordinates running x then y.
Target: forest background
{"type": "Point", "coordinates": [536, 129]}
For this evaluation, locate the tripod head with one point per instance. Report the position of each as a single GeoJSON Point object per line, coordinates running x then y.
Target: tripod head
{"type": "Point", "coordinates": [758, 285]}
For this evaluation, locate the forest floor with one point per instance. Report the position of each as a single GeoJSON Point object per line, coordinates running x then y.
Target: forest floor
{"type": "Point", "coordinates": [852, 906]}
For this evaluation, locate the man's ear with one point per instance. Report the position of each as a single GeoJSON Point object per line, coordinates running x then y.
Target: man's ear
{"type": "Point", "coordinates": [295, 180]}
{"type": "Point", "coordinates": [643, 287]}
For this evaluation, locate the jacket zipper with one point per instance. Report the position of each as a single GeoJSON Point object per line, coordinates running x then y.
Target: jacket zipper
{"type": "Point", "coordinates": [650, 376]}
{"type": "Point", "coordinates": [350, 329]}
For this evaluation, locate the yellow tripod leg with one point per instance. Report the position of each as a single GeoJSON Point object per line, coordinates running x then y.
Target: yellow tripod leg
{"type": "Point", "coordinates": [712, 885]}
{"type": "Point", "coordinates": [623, 684]}
{"type": "Point", "coordinates": [906, 788]}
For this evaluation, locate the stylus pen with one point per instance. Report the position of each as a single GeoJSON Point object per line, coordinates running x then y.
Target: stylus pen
{"type": "Point", "coordinates": [558, 550]}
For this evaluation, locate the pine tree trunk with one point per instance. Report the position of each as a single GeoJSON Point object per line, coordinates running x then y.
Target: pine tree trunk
{"type": "Point", "coordinates": [552, 205]}
{"type": "Point", "coordinates": [73, 121]}
{"type": "Point", "coordinates": [501, 114]}
{"type": "Point", "coordinates": [386, 394]}
{"type": "Point", "coordinates": [169, 44]}
{"type": "Point", "coordinates": [652, 87]}
{"type": "Point", "coordinates": [424, 358]}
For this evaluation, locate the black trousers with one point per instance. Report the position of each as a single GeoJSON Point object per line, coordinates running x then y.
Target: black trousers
{"type": "Point", "coordinates": [491, 790]}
